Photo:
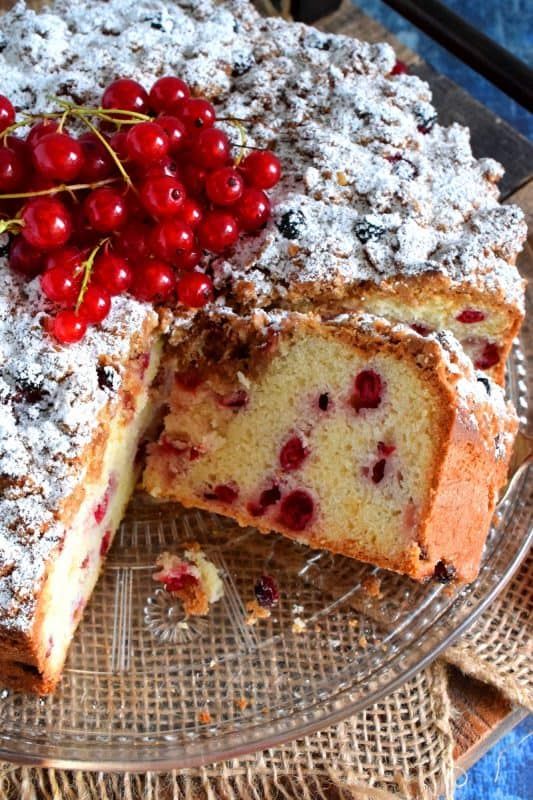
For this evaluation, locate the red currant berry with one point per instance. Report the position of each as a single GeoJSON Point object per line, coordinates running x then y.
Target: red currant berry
{"type": "Point", "coordinates": [112, 272]}
{"type": "Point", "coordinates": [60, 285]}
{"type": "Point", "coordinates": [191, 213]}
{"type": "Point", "coordinates": [68, 327]}
{"type": "Point", "coordinates": [168, 166]}
{"type": "Point", "coordinates": [127, 95]}
{"type": "Point", "coordinates": [70, 258]}
{"type": "Point", "coordinates": [211, 149]}
{"type": "Point", "coordinates": [253, 209]}
{"type": "Point", "coordinates": [12, 171]}
{"type": "Point", "coordinates": [195, 289]}
{"type": "Point", "coordinates": [105, 209]}
{"type": "Point", "coordinates": [47, 223]}
{"type": "Point", "coordinates": [175, 130]}
{"type": "Point", "coordinates": [20, 146]}
{"type": "Point", "coordinates": [132, 241]}
{"type": "Point", "coordinates": [197, 114]}
{"type": "Point", "coordinates": [97, 161]}
{"type": "Point", "coordinates": [194, 178]}
{"type": "Point", "coordinates": [41, 129]}
{"type": "Point", "coordinates": [25, 259]}
{"type": "Point", "coordinates": [147, 142]}
{"type": "Point", "coordinates": [171, 238]}
{"type": "Point", "coordinates": [95, 305]}
{"type": "Point", "coordinates": [162, 196]}
{"type": "Point", "coordinates": [224, 186]}
{"type": "Point", "coordinates": [118, 143]}
{"type": "Point", "coordinates": [187, 261]}
{"type": "Point", "coordinates": [218, 231]}
{"type": "Point", "coordinates": [58, 156]}
{"type": "Point", "coordinates": [400, 68]}
{"type": "Point", "coordinates": [154, 281]}
{"type": "Point", "coordinates": [261, 169]}
{"type": "Point", "coordinates": [167, 94]}
{"type": "Point", "coordinates": [7, 113]}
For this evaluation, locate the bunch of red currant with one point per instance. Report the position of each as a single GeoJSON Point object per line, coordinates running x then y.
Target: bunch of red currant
{"type": "Point", "coordinates": [130, 205]}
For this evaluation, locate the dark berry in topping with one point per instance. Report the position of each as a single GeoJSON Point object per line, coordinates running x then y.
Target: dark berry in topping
{"type": "Point", "coordinates": [211, 149]}
{"type": "Point", "coordinates": [261, 169]}
{"type": "Point", "coordinates": [296, 510]}
{"type": "Point", "coordinates": [444, 573]}
{"type": "Point", "coordinates": [470, 315]}
{"type": "Point", "coordinates": [5, 247]}
{"type": "Point", "coordinates": [147, 143]}
{"type": "Point", "coordinates": [253, 209]}
{"type": "Point", "coordinates": [58, 156]}
{"type": "Point", "coordinates": [266, 592]}
{"type": "Point", "coordinates": [30, 392]}
{"type": "Point", "coordinates": [367, 231]}
{"type": "Point", "coordinates": [242, 65]}
{"type": "Point", "coordinates": [126, 94]}
{"type": "Point", "coordinates": [195, 289]}
{"type": "Point", "coordinates": [25, 259]}
{"type": "Point", "coordinates": [162, 196]}
{"type": "Point", "coordinates": [218, 231]}
{"type": "Point", "coordinates": [175, 131]}
{"type": "Point", "coordinates": [378, 471]}
{"type": "Point", "coordinates": [400, 68]}
{"type": "Point", "coordinates": [235, 400]}
{"type": "Point", "coordinates": [108, 377]}
{"type": "Point", "coordinates": [292, 224]}
{"type": "Point", "coordinates": [486, 384]}
{"type": "Point", "coordinates": [47, 223]}
{"type": "Point", "coordinates": [153, 281]}
{"type": "Point", "coordinates": [224, 186]}
{"type": "Point", "coordinates": [323, 401]}
{"type": "Point", "coordinates": [7, 113]}
{"type": "Point", "coordinates": [426, 119]}
{"type": "Point", "coordinates": [197, 114]}
{"type": "Point", "coordinates": [293, 454]}
{"type": "Point", "coordinates": [167, 95]}
{"type": "Point", "coordinates": [68, 327]}
{"type": "Point", "coordinates": [105, 209]}
{"type": "Point", "coordinates": [368, 390]}
{"type": "Point", "coordinates": [489, 356]}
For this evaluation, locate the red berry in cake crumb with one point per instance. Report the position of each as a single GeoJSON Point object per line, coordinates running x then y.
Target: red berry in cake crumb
{"type": "Point", "coordinates": [470, 315]}
{"type": "Point", "coordinates": [211, 149]}
{"type": "Point", "coordinates": [189, 379]}
{"type": "Point", "coordinates": [7, 113]}
{"type": "Point", "coordinates": [235, 400]}
{"type": "Point", "coordinates": [47, 223]}
{"type": "Point", "coordinates": [105, 209]}
{"type": "Point", "coordinates": [293, 454]}
{"type": "Point", "coordinates": [224, 186]}
{"type": "Point", "coordinates": [400, 68]}
{"type": "Point", "coordinates": [105, 544]}
{"type": "Point", "coordinates": [96, 304]}
{"type": "Point", "coordinates": [147, 142]}
{"type": "Point", "coordinates": [378, 470]}
{"type": "Point", "coordinates": [253, 209]}
{"type": "Point", "coordinates": [421, 329]}
{"type": "Point", "coordinates": [323, 401]}
{"type": "Point", "coordinates": [97, 163]}
{"type": "Point", "coordinates": [191, 213]}
{"type": "Point", "coordinates": [262, 169]}
{"type": "Point", "coordinates": [68, 327]}
{"type": "Point", "coordinates": [195, 289]}
{"type": "Point", "coordinates": [60, 285]}
{"type": "Point", "coordinates": [296, 510]}
{"type": "Point", "coordinates": [112, 272]}
{"type": "Point", "coordinates": [218, 231]}
{"type": "Point", "coordinates": [269, 497]}
{"type": "Point", "coordinates": [12, 170]}
{"type": "Point", "coordinates": [266, 592]}
{"type": "Point", "coordinates": [162, 196]}
{"type": "Point", "coordinates": [197, 114]}
{"type": "Point", "coordinates": [25, 259]}
{"type": "Point", "coordinates": [367, 390]}
{"type": "Point", "coordinates": [175, 131]}
{"type": "Point", "coordinates": [489, 356]}
{"type": "Point", "coordinates": [58, 156]}
{"type": "Point", "coordinates": [167, 94]}
{"type": "Point", "coordinates": [41, 129]}
{"type": "Point", "coordinates": [126, 94]}
{"type": "Point", "coordinates": [224, 493]}
{"type": "Point", "coordinates": [171, 238]}
{"type": "Point", "coordinates": [386, 449]}
{"type": "Point", "coordinates": [153, 281]}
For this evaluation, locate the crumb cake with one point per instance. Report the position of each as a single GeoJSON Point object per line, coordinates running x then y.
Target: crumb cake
{"type": "Point", "coordinates": [353, 435]}
{"type": "Point", "coordinates": [381, 214]}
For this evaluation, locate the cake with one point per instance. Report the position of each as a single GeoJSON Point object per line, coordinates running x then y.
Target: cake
{"type": "Point", "coordinates": [386, 237]}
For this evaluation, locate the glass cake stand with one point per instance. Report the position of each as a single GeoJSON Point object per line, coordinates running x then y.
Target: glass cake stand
{"type": "Point", "coordinates": [145, 689]}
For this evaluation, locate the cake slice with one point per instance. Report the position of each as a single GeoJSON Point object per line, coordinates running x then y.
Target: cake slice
{"type": "Point", "coordinates": [351, 435]}
{"type": "Point", "coordinates": [71, 424]}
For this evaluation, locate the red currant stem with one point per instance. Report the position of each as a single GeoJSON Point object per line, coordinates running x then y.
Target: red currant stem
{"type": "Point", "coordinates": [61, 188]}
{"type": "Point", "coordinates": [104, 113]}
{"type": "Point", "coordinates": [87, 268]}
{"type": "Point", "coordinates": [62, 121]}
{"type": "Point", "coordinates": [242, 133]}
{"type": "Point", "coordinates": [249, 147]}
{"type": "Point", "coordinates": [111, 152]}
{"type": "Point", "coordinates": [11, 225]}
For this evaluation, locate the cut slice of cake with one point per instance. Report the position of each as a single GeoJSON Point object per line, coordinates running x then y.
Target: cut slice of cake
{"type": "Point", "coordinates": [71, 424]}
{"type": "Point", "coordinates": [351, 435]}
